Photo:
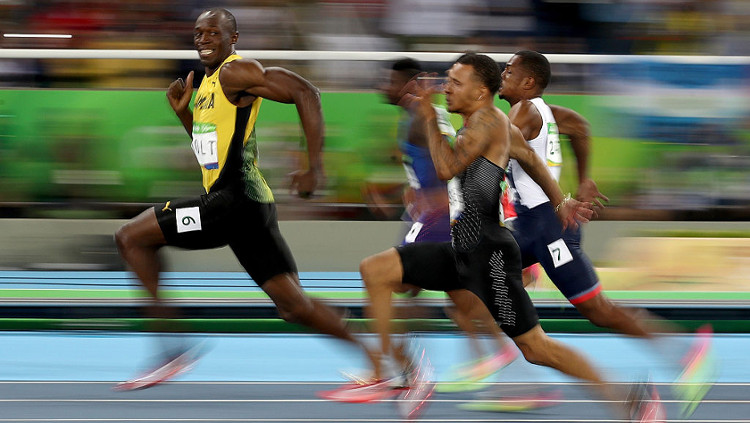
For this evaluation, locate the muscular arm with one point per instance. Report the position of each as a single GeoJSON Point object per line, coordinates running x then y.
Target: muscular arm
{"type": "Point", "coordinates": [533, 165]}
{"type": "Point", "coordinates": [472, 143]}
{"type": "Point", "coordinates": [244, 78]}
{"type": "Point", "coordinates": [576, 127]}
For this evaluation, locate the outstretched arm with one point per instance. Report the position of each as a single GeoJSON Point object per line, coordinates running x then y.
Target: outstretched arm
{"type": "Point", "coordinates": [577, 128]}
{"type": "Point", "coordinates": [249, 78]}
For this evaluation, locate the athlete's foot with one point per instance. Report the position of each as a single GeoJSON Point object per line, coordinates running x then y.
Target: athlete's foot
{"type": "Point", "coordinates": [168, 370]}
{"type": "Point", "coordinates": [698, 374]}
{"type": "Point", "coordinates": [645, 404]}
{"type": "Point", "coordinates": [418, 377]}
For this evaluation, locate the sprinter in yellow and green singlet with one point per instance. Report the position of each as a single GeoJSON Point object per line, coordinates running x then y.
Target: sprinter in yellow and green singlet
{"type": "Point", "coordinates": [238, 207]}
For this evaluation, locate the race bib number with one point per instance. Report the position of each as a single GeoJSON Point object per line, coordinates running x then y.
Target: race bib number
{"type": "Point", "coordinates": [205, 143]}
{"type": "Point", "coordinates": [456, 199]}
{"type": "Point", "coordinates": [413, 232]}
{"type": "Point", "coordinates": [554, 154]}
{"type": "Point", "coordinates": [411, 176]}
{"type": "Point", "coordinates": [560, 253]}
{"type": "Point", "coordinates": [188, 219]}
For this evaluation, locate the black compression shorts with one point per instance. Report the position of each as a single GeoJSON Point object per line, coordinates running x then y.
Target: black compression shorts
{"type": "Point", "coordinates": [228, 217]}
{"type": "Point", "coordinates": [491, 270]}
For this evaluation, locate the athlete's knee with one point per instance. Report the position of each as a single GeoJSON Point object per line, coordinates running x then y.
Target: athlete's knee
{"type": "Point", "coordinates": [377, 272]}
{"type": "Point", "coordinates": [124, 238]}
{"type": "Point", "coordinates": [537, 348]}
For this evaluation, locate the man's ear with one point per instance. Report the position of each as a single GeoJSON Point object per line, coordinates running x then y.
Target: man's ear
{"type": "Point", "coordinates": [483, 93]}
{"type": "Point", "coordinates": [529, 82]}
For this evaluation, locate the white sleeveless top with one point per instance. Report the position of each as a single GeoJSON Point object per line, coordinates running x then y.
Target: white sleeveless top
{"type": "Point", "coordinates": [547, 146]}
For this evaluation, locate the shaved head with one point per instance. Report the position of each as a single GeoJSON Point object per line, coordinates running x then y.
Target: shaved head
{"type": "Point", "coordinates": [226, 17]}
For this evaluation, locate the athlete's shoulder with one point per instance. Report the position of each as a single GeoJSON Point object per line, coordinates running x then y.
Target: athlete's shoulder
{"type": "Point", "coordinates": [524, 107]}
{"type": "Point", "coordinates": [525, 114]}
{"type": "Point", "coordinates": [240, 70]}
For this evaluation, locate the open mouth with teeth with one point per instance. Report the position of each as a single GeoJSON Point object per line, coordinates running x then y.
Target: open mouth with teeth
{"type": "Point", "coordinates": [205, 52]}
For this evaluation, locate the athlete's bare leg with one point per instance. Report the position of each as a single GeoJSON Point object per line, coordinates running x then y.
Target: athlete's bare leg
{"type": "Point", "coordinates": [139, 241]}
{"type": "Point", "coordinates": [382, 274]}
{"type": "Point", "coordinates": [297, 307]}
{"type": "Point", "coordinates": [472, 316]}
{"type": "Point", "coordinates": [540, 349]}
{"type": "Point", "coordinates": [468, 327]}
{"type": "Point", "coordinates": [602, 312]}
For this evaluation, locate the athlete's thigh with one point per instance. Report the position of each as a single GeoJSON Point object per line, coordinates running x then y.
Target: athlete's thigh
{"type": "Point", "coordinates": [526, 230]}
{"type": "Point", "coordinates": [258, 244]}
{"type": "Point", "coordinates": [429, 265]}
{"type": "Point", "coordinates": [493, 273]}
{"type": "Point", "coordinates": [565, 263]}
{"type": "Point", "coordinates": [199, 222]}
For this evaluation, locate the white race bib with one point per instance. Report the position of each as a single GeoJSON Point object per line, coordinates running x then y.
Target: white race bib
{"type": "Point", "coordinates": [560, 253]}
{"type": "Point", "coordinates": [456, 199]}
{"type": "Point", "coordinates": [188, 219]}
{"type": "Point", "coordinates": [413, 232]}
{"type": "Point", "coordinates": [554, 154]}
{"type": "Point", "coordinates": [205, 144]}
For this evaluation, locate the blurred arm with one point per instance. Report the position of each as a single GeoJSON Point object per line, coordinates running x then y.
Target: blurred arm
{"type": "Point", "coordinates": [577, 128]}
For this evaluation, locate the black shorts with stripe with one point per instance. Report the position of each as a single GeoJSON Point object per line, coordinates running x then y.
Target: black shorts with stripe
{"type": "Point", "coordinates": [228, 217]}
{"type": "Point", "coordinates": [491, 270]}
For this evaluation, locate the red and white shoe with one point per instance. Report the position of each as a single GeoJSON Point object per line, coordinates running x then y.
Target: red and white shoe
{"type": "Point", "coordinates": [167, 371]}
{"type": "Point", "coordinates": [647, 406]}
{"type": "Point", "coordinates": [356, 392]}
{"type": "Point", "coordinates": [413, 399]}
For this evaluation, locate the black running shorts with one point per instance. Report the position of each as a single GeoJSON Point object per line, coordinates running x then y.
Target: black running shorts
{"type": "Point", "coordinates": [228, 217]}
{"type": "Point", "coordinates": [491, 270]}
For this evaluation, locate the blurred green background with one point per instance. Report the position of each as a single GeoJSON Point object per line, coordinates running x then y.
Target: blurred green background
{"type": "Point", "coordinates": [88, 146]}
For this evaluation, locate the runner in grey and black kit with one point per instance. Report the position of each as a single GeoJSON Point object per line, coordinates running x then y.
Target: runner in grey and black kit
{"type": "Point", "coordinates": [482, 257]}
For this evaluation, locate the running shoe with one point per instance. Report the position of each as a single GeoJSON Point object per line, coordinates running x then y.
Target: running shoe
{"type": "Point", "coordinates": [698, 374]}
{"type": "Point", "coordinates": [354, 392]}
{"type": "Point", "coordinates": [412, 399]}
{"type": "Point", "coordinates": [168, 370]}
{"type": "Point", "coordinates": [646, 405]}
{"type": "Point", "coordinates": [467, 376]}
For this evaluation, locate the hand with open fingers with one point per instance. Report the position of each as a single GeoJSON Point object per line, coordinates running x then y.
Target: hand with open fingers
{"type": "Point", "coordinates": [589, 193]}
{"type": "Point", "coordinates": [571, 212]}
{"type": "Point", "coordinates": [304, 182]}
{"type": "Point", "coordinates": [180, 92]}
